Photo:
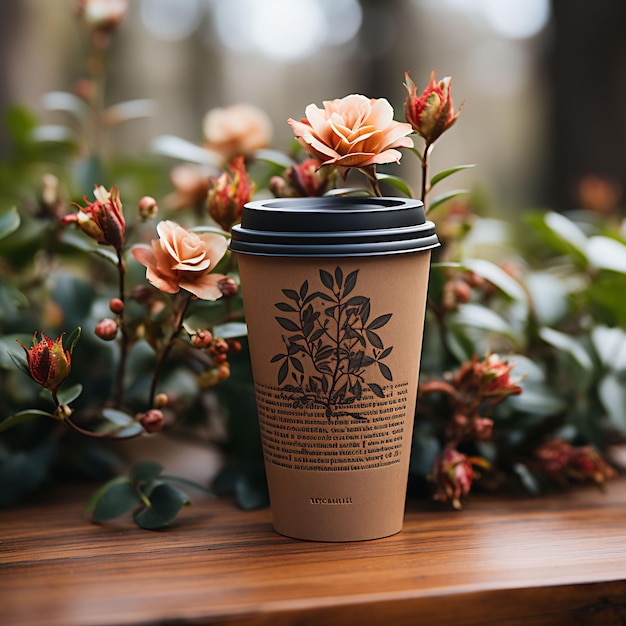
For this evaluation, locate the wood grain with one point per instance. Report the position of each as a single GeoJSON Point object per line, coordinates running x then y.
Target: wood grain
{"type": "Point", "coordinates": [552, 560]}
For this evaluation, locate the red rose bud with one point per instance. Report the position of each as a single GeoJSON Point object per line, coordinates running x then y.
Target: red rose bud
{"type": "Point", "coordinates": [152, 420]}
{"type": "Point", "coordinates": [148, 208]}
{"type": "Point", "coordinates": [586, 463]}
{"type": "Point", "coordinates": [106, 329]}
{"type": "Point", "coordinates": [229, 193]}
{"type": "Point", "coordinates": [48, 363]}
{"type": "Point", "coordinates": [307, 179]}
{"type": "Point", "coordinates": [431, 113]}
{"type": "Point", "coordinates": [101, 220]}
{"type": "Point", "coordinates": [453, 476]}
{"type": "Point", "coordinates": [116, 305]}
{"type": "Point", "coordinates": [481, 428]}
{"type": "Point", "coordinates": [228, 286]}
{"type": "Point", "coordinates": [202, 339]}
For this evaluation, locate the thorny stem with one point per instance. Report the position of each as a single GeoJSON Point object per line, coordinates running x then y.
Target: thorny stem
{"type": "Point", "coordinates": [178, 326]}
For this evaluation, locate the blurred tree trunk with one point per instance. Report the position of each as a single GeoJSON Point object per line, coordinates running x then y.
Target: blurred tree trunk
{"type": "Point", "coordinates": [587, 79]}
{"type": "Point", "coordinates": [382, 38]}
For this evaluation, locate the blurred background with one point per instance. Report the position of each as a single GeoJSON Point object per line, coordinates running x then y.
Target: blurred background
{"type": "Point", "coordinates": [544, 81]}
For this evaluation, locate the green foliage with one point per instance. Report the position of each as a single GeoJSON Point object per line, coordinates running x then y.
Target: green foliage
{"type": "Point", "coordinates": [154, 496]}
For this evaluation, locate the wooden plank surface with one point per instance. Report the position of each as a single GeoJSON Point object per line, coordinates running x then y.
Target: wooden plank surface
{"type": "Point", "coordinates": [553, 560]}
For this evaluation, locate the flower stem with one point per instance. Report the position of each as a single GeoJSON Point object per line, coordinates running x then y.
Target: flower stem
{"type": "Point", "coordinates": [425, 164]}
{"type": "Point", "coordinates": [124, 343]}
{"type": "Point", "coordinates": [178, 326]}
{"type": "Point", "coordinates": [370, 174]}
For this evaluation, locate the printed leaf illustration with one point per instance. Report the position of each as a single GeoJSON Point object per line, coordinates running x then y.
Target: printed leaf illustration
{"type": "Point", "coordinates": [329, 359]}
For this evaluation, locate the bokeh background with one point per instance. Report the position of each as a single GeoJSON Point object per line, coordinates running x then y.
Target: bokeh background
{"type": "Point", "coordinates": [544, 81]}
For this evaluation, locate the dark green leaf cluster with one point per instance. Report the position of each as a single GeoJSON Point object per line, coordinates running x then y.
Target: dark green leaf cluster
{"type": "Point", "coordinates": [153, 496]}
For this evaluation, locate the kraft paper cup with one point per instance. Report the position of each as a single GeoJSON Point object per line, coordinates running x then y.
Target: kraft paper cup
{"type": "Point", "coordinates": [334, 293]}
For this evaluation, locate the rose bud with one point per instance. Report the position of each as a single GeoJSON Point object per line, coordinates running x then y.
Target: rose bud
{"type": "Point", "coordinates": [49, 363]}
{"type": "Point", "coordinates": [152, 420]}
{"type": "Point", "coordinates": [148, 208]}
{"type": "Point", "coordinates": [116, 305]}
{"type": "Point", "coordinates": [431, 113]}
{"type": "Point", "coordinates": [106, 329]}
{"type": "Point", "coordinates": [202, 339]}
{"type": "Point", "coordinates": [101, 220]}
{"type": "Point", "coordinates": [228, 287]}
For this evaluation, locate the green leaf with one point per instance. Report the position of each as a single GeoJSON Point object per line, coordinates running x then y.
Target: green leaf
{"type": "Point", "coordinates": [274, 157]}
{"type": "Point", "coordinates": [118, 498]}
{"type": "Point", "coordinates": [119, 418]}
{"type": "Point", "coordinates": [85, 244]}
{"type": "Point", "coordinates": [527, 479]}
{"type": "Point", "coordinates": [8, 358]}
{"type": "Point", "coordinates": [567, 231]}
{"type": "Point", "coordinates": [73, 337]}
{"type": "Point", "coordinates": [441, 175]}
{"type": "Point", "coordinates": [251, 491]}
{"type": "Point", "coordinates": [447, 265]}
{"type": "Point", "coordinates": [20, 362]}
{"type": "Point", "coordinates": [612, 393]}
{"type": "Point", "coordinates": [214, 230]}
{"type": "Point", "coordinates": [536, 399]}
{"type": "Point", "coordinates": [569, 345]}
{"type": "Point", "coordinates": [478, 316]}
{"type": "Point", "coordinates": [395, 181]}
{"type": "Point", "coordinates": [444, 197]}
{"type": "Point", "coordinates": [23, 416]}
{"type": "Point", "coordinates": [416, 152]}
{"type": "Point", "coordinates": [188, 483]}
{"type": "Point", "coordinates": [120, 425]}
{"type": "Point", "coordinates": [9, 222]}
{"type": "Point", "coordinates": [130, 110]}
{"type": "Point", "coordinates": [95, 497]}
{"type": "Point", "coordinates": [146, 471]}
{"type": "Point", "coordinates": [610, 346]}
{"type": "Point", "coordinates": [165, 503]}
{"type": "Point", "coordinates": [69, 394]}
{"type": "Point", "coordinates": [606, 253]}
{"type": "Point", "coordinates": [177, 148]}
{"type": "Point", "coordinates": [67, 102]}
{"type": "Point", "coordinates": [129, 432]}
{"type": "Point", "coordinates": [347, 191]}
{"type": "Point", "coordinates": [497, 277]}
{"type": "Point", "coordinates": [230, 330]}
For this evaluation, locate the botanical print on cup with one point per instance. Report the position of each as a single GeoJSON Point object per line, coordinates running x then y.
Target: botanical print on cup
{"type": "Point", "coordinates": [333, 350]}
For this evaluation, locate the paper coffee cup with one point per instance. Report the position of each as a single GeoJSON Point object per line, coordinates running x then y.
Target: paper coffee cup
{"type": "Point", "coordinates": [334, 293]}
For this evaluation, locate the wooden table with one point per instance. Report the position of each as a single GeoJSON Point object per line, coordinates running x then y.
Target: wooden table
{"type": "Point", "coordinates": [552, 560]}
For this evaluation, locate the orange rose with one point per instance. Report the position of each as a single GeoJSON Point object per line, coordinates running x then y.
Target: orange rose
{"type": "Point", "coordinates": [237, 129]}
{"type": "Point", "coordinates": [354, 131]}
{"type": "Point", "coordinates": [182, 259]}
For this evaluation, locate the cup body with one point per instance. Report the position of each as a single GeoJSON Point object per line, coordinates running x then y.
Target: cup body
{"type": "Point", "coordinates": [335, 344]}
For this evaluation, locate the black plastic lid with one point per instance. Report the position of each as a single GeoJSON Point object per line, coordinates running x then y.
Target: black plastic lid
{"type": "Point", "coordinates": [333, 227]}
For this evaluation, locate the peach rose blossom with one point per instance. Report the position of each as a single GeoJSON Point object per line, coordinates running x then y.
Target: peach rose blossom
{"type": "Point", "coordinates": [354, 131]}
{"type": "Point", "coordinates": [237, 129]}
{"type": "Point", "coordinates": [182, 259]}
